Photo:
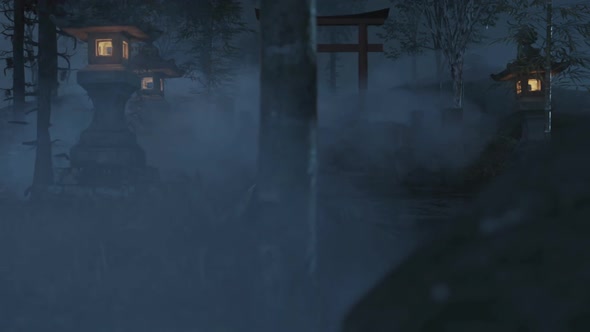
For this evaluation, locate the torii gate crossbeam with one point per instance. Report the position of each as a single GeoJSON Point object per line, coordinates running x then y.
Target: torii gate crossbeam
{"type": "Point", "coordinates": [362, 21]}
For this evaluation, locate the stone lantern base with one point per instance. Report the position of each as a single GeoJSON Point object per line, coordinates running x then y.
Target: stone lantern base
{"type": "Point", "coordinates": [108, 153]}
{"type": "Point", "coordinates": [534, 125]}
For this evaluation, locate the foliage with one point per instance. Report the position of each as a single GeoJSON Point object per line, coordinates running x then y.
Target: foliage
{"type": "Point", "coordinates": [133, 12]}
{"type": "Point", "coordinates": [203, 31]}
{"type": "Point", "coordinates": [210, 28]}
{"type": "Point", "coordinates": [570, 36]}
{"type": "Point", "coordinates": [30, 44]}
{"type": "Point", "coordinates": [446, 25]}
{"type": "Point", "coordinates": [423, 25]}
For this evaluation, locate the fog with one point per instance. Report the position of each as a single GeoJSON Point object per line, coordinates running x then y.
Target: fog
{"type": "Point", "coordinates": [187, 256]}
{"type": "Point", "coordinates": [207, 159]}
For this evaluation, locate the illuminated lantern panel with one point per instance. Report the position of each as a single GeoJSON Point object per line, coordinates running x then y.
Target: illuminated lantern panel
{"type": "Point", "coordinates": [533, 85]}
{"type": "Point", "coordinates": [104, 47]}
{"type": "Point", "coordinates": [125, 50]}
{"type": "Point", "coordinates": [147, 83]}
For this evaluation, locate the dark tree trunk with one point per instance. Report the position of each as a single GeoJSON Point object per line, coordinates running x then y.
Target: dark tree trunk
{"type": "Point", "coordinates": [456, 65]}
{"type": "Point", "coordinates": [438, 59]}
{"type": "Point", "coordinates": [52, 41]}
{"type": "Point", "coordinates": [286, 194]}
{"type": "Point", "coordinates": [207, 66]}
{"type": "Point", "coordinates": [18, 74]}
{"type": "Point", "coordinates": [43, 175]}
{"type": "Point", "coordinates": [415, 56]}
{"type": "Point", "coordinates": [548, 61]}
{"type": "Point", "coordinates": [414, 70]}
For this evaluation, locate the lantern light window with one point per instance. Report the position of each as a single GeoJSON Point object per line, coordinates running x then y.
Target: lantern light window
{"type": "Point", "coordinates": [125, 50]}
{"type": "Point", "coordinates": [104, 47]}
{"type": "Point", "coordinates": [147, 83]}
{"type": "Point", "coordinates": [534, 84]}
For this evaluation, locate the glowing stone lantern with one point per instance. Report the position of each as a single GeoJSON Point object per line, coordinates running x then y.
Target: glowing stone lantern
{"type": "Point", "coordinates": [527, 73]}
{"type": "Point", "coordinates": [153, 70]}
{"type": "Point", "coordinates": [107, 151]}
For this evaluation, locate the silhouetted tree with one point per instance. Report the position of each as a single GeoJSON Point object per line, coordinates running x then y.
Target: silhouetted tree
{"type": "Point", "coordinates": [414, 34]}
{"type": "Point", "coordinates": [17, 22]}
{"type": "Point", "coordinates": [210, 28]}
{"type": "Point", "coordinates": [22, 27]}
{"type": "Point", "coordinates": [43, 175]}
{"type": "Point", "coordinates": [18, 63]}
{"type": "Point", "coordinates": [445, 26]}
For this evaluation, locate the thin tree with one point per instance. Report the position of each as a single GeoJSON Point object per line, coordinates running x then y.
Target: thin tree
{"type": "Point", "coordinates": [446, 25]}
{"type": "Point", "coordinates": [460, 22]}
{"type": "Point", "coordinates": [413, 34]}
{"type": "Point", "coordinates": [14, 30]}
{"type": "Point", "coordinates": [43, 174]}
{"type": "Point", "coordinates": [18, 63]}
{"type": "Point", "coordinates": [21, 27]}
{"type": "Point", "coordinates": [211, 28]}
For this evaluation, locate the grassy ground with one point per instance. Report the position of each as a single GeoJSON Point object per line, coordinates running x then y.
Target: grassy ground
{"type": "Point", "coordinates": [117, 265]}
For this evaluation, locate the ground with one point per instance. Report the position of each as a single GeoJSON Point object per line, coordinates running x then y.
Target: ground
{"type": "Point", "coordinates": [518, 262]}
{"type": "Point", "coordinates": [183, 261]}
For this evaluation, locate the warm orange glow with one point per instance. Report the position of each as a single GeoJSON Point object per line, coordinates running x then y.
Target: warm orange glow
{"type": "Point", "coordinates": [147, 83]}
{"type": "Point", "coordinates": [104, 47]}
{"type": "Point", "coordinates": [125, 50]}
{"type": "Point", "coordinates": [534, 84]}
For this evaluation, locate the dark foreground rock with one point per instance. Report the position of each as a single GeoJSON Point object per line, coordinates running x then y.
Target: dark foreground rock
{"type": "Point", "coordinates": [521, 262]}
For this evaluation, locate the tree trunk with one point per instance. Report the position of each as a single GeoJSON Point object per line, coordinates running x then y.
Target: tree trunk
{"type": "Point", "coordinates": [286, 193]}
{"type": "Point", "coordinates": [31, 60]}
{"type": "Point", "coordinates": [457, 76]}
{"type": "Point", "coordinates": [52, 41]}
{"type": "Point", "coordinates": [18, 73]}
{"type": "Point", "coordinates": [43, 175]}
{"type": "Point", "coordinates": [438, 59]}
{"type": "Point", "coordinates": [207, 66]}
{"type": "Point", "coordinates": [414, 70]}
{"type": "Point", "coordinates": [333, 67]}
{"type": "Point", "coordinates": [548, 60]}
{"type": "Point", "coordinates": [415, 57]}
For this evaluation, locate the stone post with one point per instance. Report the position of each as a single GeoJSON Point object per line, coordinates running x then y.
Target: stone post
{"type": "Point", "coordinates": [108, 143]}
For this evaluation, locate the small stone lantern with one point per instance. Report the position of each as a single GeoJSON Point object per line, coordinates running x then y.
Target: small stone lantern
{"type": "Point", "coordinates": [153, 70]}
{"type": "Point", "coordinates": [107, 152]}
{"type": "Point", "coordinates": [527, 73]}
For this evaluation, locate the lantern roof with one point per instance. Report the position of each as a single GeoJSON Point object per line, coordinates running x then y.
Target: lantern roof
{"type": "Point", "coordinates": [149, 60]}
{"type": "Point", "coordinates": [515, 71]}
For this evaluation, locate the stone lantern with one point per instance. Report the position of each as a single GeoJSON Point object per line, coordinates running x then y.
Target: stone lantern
{"type": "Point", "coordinates": [107, 152]}
{"type": "Point", "coordinates": [527, 73]}
{"type": "Point", "coordinates": [153, 70]}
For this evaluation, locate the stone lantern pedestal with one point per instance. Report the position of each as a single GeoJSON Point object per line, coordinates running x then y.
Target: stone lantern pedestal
{"type": "Point", "coordinates": [107, 153]}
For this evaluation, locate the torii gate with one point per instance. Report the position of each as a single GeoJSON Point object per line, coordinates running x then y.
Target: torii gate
{"type": "Point", "coordinates": [362, 21]}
